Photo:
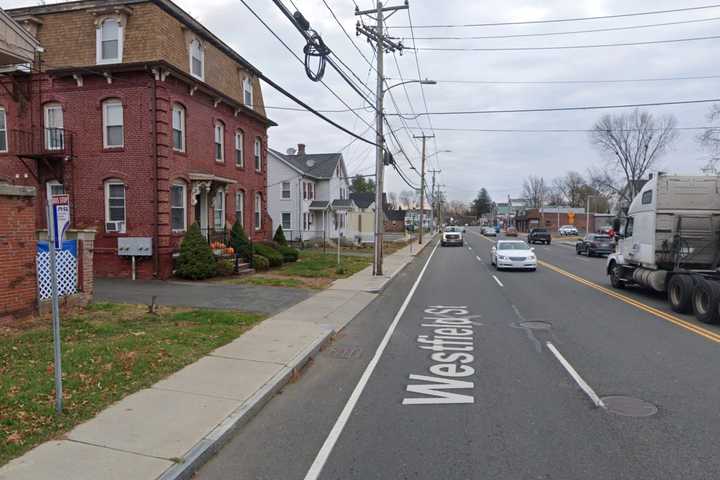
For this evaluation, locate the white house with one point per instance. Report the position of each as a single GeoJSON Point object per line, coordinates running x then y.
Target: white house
{"type": "Point", "coordinates": [308, 194]}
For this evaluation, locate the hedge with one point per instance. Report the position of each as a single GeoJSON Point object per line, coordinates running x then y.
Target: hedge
{"type": "Point", "coordinates": [275, 258]}
{"type": "Point", "coordinates": [260, 263]}
{"type": "Point", "coordinates": [289, 254]}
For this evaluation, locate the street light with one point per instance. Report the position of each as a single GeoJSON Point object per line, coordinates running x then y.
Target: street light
{"type": "Point", "coordinates": [421, 82]}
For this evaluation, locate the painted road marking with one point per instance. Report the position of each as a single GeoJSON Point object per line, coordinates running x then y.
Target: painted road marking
{"type": "Point", "coordinates": [498, 281]}
{"type": "Point", "coordinates": [332, 438]}
{"type": "Point", "coordinates": [710, 335]}
{"type": "Point", "coordinates": [478, 258]}
{"type": "Point", "coordinates": [578, 379]}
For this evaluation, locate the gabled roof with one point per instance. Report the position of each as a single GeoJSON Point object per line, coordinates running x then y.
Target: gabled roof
{"type": "Point", "coordinates": [342, 204]}
{"type": "Point", "coordinates": [316, 165]}
{"type": "Point", "coordinates": [395, 215]}
{"type": "Point", "coordinates": [363, 199]}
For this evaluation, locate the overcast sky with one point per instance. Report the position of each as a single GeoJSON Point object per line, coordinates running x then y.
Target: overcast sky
{"type": "Point", "coordinates": [496, 161]}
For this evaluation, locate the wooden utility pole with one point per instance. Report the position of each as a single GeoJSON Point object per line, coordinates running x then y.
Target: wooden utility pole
{"type": "Point", "coordinates": [422, 183]}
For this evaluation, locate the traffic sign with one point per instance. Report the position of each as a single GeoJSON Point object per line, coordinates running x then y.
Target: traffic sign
{"type": "Point", "coordinates": [60, 205]}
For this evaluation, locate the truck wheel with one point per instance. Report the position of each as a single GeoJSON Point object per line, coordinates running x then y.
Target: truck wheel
{"type": "Point", "coordinates": [616, 277]}
{"type": "Point", "coordinates": [705, 301]}
{"type": "Point", "coordinates": [679, 292]}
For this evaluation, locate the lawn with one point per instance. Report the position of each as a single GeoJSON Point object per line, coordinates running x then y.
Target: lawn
{"type": "Point", "coordinates": [109, 351]}
{"type": "Point", "coordinates": [313, 264]}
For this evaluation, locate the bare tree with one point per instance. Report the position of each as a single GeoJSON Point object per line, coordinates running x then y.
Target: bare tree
{"type": "Point", "coordinates": [392, 199]}
{"type": "Point", "coordinates": [633, 143]}
{"type": "Point", "coordinates": [570, 187]}
{"type": "Point", "coordinates": [407, 198]}
{"type": "Point", "coordinates": [710, 139]}
{"type": "Point", "coordinates": [535, 191]}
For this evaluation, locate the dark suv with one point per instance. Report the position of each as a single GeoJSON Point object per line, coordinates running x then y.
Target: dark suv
{"type": "Point", "coordinates": [539, 235]}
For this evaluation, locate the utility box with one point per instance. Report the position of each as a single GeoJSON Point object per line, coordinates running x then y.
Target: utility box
{"type": "Point", "coordinates": [135, 246]}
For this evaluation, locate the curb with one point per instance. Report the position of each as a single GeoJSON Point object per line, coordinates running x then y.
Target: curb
{"type": "Point", "coordinates": [206, 448]}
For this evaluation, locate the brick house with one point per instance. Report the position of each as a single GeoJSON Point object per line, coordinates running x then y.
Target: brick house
{"type": "Point", "coordinates": [145, 118]}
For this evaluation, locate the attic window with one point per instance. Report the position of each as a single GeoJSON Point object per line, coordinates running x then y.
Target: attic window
{"type": "Point", "coordinates": [109, 41]}
{"type": "Point", "coordinates": [197, 59]}
{"type": "Point", "coordinates": [248, 93]}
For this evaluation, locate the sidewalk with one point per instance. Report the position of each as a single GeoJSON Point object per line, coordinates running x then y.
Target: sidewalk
{"type": "Point", "coordinates": [167, 431]}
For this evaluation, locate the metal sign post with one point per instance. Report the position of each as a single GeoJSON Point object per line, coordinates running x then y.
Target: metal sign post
{"type": "Point", "coordinates": [58, 222]}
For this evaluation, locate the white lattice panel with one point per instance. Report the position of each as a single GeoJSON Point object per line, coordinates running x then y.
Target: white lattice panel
{"type": "Point", "coordinates": [66, 273]}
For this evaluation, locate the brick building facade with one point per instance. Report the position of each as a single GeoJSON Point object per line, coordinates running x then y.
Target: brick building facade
{"type": "Point", "coordinates": [146, 119]}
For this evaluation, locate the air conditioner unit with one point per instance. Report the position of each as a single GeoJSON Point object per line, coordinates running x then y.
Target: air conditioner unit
{"type": "Point", "coordinates": [115, 227]}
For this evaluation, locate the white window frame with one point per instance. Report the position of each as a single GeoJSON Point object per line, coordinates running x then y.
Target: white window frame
{"type": "Point", "coordinates": [247, 89]}
{"type": "Point", "coordinates": [240, 207]}
{"type": "Point", "coordinates": [183, 206]}
{"type": "Point", "coordinates": [257, 218]}
{"type": "Point", "coordinates": [56, 140]}
{"type": "Point", "coordinates": [4, 129]}
{"type": "Point", "coordinates": [105, 105]}
{"type": "Point", "coordinates": [177, 108]}
{"type": "Point", "coordinates": [289, 222]}
{"type": "Point", "coordinates": [219, 129]}
{"type": "Point", "coordinates": [258, 154]}
{"type": "Point", "coordinates": [240, 148]}
{"type": "Point", "coordinates": [285, 193]}
{"type": "Point", "coordinates": [201, 51]}
{"type": "Point", "coordinates": [220, 194]}
{"type": "Point", "coordinates": [98, 41]}
{"type": "Point", "coordinates": [108, 183]}
{"type": "Point", "coordinates": [56, 188]}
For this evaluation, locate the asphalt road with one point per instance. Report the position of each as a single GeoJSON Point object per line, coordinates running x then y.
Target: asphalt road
{"type": "Point", "coordinates": [512, 410]}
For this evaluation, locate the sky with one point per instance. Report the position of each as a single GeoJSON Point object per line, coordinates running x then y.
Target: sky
{"type": "Point", "coordinates": [493, 160]}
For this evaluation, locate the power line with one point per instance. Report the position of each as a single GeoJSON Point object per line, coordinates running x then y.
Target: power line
{"type": "Point", "coordinates": [556, 130]}
{"type": "Point", "coordinates": [560, 20]}
{"type": "Point", "coordinates": [551, 82]}
{"type": "Point", "coordinates": [563, 47]}
{"type": "Point", "coordinates": [564, 109]}
{"type": "Point", "coordinates": [570, 32]}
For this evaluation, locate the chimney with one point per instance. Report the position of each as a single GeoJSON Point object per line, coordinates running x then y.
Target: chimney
{"type": "Point", "coordinates": [301, 149]}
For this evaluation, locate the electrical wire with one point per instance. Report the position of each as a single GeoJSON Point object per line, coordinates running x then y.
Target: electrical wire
{"type": "Point", "coordinates": [559, 130]}
{"type": "Point", "coordinates": [553, 82]}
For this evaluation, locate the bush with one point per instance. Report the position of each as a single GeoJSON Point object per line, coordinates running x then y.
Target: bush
{"type": "Point", "coordinates": [240, 242]}
{"type": "Point", "coordinates": [260, 263]}
{"type": "Point", "coordinates": [225, 267]}
{"type": "Point", "coordinates": [289, 254]}
{"type": "Point", "coordinates": [279, 237]}
{"type": "Point", "coordinates": [196, 260]}
{"type": "Point", "coordinates": [274, 257]}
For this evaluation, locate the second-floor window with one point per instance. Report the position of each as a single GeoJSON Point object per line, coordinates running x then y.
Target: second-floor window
{"type": "Point", "coordinates": [3, 131]}
{"type": "Point", "coordinates": [285, 190]}
{"type": "Point", "coordinates": [112, 124]}
{"type": "Point", "coordinates": [109, 41]}
{"type": "Point", "coordinates": [197, 60]}
{"type": "Point", "coordinates": [53, 126]}
{"type": "Point", "coordinates": [258, 211]}
{"type": "Point", "coordinates": [248, 93]}
{"type": "Point", "coordinates": [258, 157]}
{"type": "Point", "coordinates": [239, 154]}
{"type": "Point", "coordinates": [219, 142]}
{"type": "Point", "coordinates": [178, 127]}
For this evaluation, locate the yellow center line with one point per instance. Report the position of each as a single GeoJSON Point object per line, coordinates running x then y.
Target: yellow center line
{"type": "Point", "coordinates": [710, 335]}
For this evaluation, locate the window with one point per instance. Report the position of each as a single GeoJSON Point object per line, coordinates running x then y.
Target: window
{"type": "Point", "coordinates": [56, 188]}
{"type": "Point", "coordinates": [647, 197]}
{"type": "Point", "coordinates": [115, 206]}
{"type": "Point", "coordinates": [53, 126]}
{"type": "Point", "coordinates": [219, 209]}
{"type": "Point", "coordinates": [240, 207]}
{"type": "Point", "coordinates": [3, 131]}
{"type": "Point", "coordinates": [311, 191]}
{"type": "Point", "coordinates": [197, 60]}
{"type": "Point", "coordinates": [178, 127]}
{"type": "Point", "coordinates": [285, 190]}
{"type": "Point", "coordinates": [248, 93]}
{"type": "Point", "coordinates": [286, 221]}
{"type": "Point", "coordinates": [177, 207]}
{"type": "Point", "coordinates": [112, 124]}
{"type": "Point", "coordinates": [239, 149]}
{"type": "Point", "coordinates": [109, 41]}
{"type": "Point", "coordinates": [629, 227]}
{"type": "Point", "coordinates": [307, 221]}
{"type": "Point", "coordinates": [219, 142]}
{"type": "Point", "coordinates": [258, 211]}
{"type": "Point", "coordinates": [258, 159]}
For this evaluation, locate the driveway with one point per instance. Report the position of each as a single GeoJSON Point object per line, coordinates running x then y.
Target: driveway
{"type": "Point", "coordinates": [248, 298]}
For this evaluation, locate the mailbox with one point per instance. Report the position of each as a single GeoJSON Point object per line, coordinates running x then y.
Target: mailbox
{"type": "Point", "coordinates": [135, 246]}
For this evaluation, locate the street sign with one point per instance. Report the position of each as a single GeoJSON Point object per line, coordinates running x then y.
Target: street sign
{"type": "Point", "coordinates": [60, 205]}
{"type": "Point", "coordinates": [571, 217]}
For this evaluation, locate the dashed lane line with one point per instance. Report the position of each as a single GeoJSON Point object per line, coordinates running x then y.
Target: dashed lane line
{"type": "Point", "coordinates": [498, 281]}
{"type": "Point", "coordinates": [576, 376]}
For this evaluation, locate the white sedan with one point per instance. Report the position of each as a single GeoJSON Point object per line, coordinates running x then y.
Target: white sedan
{"type": "Point", "coordinates": [513, 254]}
{"type": "Point", "coordinates": [489, 231]}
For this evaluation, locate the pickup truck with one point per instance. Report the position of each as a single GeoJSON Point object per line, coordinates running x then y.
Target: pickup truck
{"type": "Point", "coordinates": [539, 235]}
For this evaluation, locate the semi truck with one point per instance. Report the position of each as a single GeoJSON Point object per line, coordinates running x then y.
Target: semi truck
{"type": "Point", "coordinates": [670, 243]}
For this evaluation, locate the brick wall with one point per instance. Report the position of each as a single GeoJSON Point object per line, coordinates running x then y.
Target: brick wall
{"type": "Point", "coordinates": [18, 288]}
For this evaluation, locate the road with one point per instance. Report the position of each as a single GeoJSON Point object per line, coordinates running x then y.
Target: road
{"type": "Point", "coordinates": [512, 400]}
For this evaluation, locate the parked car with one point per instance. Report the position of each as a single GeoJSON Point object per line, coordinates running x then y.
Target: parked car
{"type": "Point", "coordinates": [489, 231]}
{"type": "Point", "coordinates": [567, 230]}
{"type": "Point", "coordinates": [539, 235]}
{"type": "Point", "coordinates": [452, 236]}
{"type": "Point", "coordinates": [511, 232]}
{"type": "Point", "coordinates": [513, 254]}
{"type": "Point", "coordinates": [595, 244]}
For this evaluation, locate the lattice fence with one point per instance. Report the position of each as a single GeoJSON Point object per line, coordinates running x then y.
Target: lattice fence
{"type": "Point", "coordinates": [66, 269]}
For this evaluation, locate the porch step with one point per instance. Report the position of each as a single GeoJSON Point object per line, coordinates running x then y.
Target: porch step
{"type": "Point", "coordinates": [245, 271]}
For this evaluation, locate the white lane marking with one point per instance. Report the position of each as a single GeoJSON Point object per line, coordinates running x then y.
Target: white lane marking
{"type": "Point", "coordinates": [478, 258]}
{"type": "Point", "coordinates": [332, 438]}
{"type": "Point", "coordinates": [578, 379]}
{"type": "Point", "coordinates": [469, 248]}
{"type": "Point", "coordinates": [498, 281]}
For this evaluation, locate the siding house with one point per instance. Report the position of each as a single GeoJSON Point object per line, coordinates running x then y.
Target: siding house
{"type": "Point", "coordinates": [145, 118]}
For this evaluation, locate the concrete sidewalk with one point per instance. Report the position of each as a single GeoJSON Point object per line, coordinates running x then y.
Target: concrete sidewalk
{"type": "Point", "coordinates": [167, 431]}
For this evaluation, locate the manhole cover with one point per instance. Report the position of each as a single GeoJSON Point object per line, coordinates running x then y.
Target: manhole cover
{"type": "Point", "coordinates": [536, 325]}
{"type": "Point", "coordinates": [629, 406]}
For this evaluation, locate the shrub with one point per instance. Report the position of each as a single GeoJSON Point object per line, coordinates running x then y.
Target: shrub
{"type": "Point", "coordinates": [225, 267]}
{"type": "Point", "coordinates": [239, 241]}
{"type": "Point", "coordinates": [279, 237]}
{"type": "Point", "coordinates": [289, 254]}
{"type": "Point", "coordinates": [196, 260]}
{"type": "Point", "coordinates": [260, 263]}
{"type": "Point", "coordinates": [274, 257]}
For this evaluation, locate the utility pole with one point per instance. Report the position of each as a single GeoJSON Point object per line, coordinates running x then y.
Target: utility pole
{"type": "Point", "coordinates": [433, 214]}
{"type": "Point", "coordinates": [382, 44]}
{"type": "Point", "coordinates": [422, 183]}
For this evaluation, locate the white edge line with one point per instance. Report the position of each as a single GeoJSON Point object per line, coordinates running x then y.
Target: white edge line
{"type": "Point", "coordinates": [478, 258]}
{"type": "Point", "coordinates": [578, 379]}
{"type": "Point", "coordinates": [332, 438]}
{"type": "Point", "coordinates": [498, 281]}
